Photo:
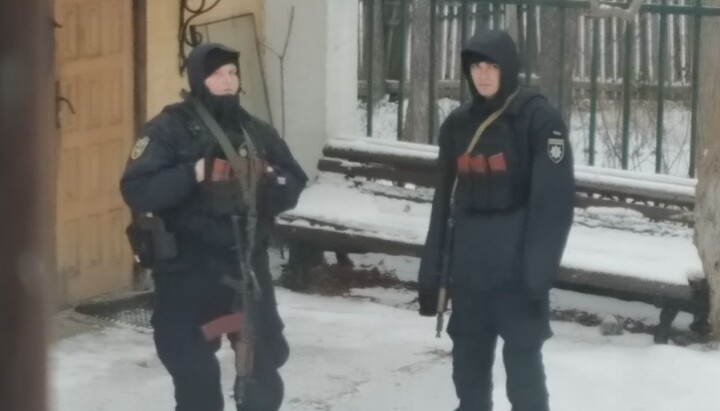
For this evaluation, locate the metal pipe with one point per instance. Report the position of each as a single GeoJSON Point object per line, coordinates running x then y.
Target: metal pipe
{"type": "Point", "coordinates": [706, 11]}
{"type": "Point", "coordinates": [432, 97]}
{"type": "Point", "coordinates": [530, 42]}
{"type": "Point", "coordinates": [369, 56]}
{"type": "Point", "coordinates": [695, 90]}
{"type": "Point", "coordinates": [561, 72]}
{"type": "Point", "coordinates": [463, 39]}
{"type": "Point", "coordinates": [594, 89]}
{"type": "Point", "coordinates": [403, 67]}
{"type": "Point", "coordinates": [627, 90]}
{"type": "Point", "coordinates": [662, 64]}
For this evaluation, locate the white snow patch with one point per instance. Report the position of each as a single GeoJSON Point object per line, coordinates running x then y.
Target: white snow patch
{"type": "Point", "coordinates": [355, 355]}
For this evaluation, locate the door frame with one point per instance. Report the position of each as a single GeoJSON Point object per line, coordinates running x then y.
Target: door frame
{"type": "Point", "coordinates": [139, 8]}
{"type": "Point", "coordinates": [139, 38]}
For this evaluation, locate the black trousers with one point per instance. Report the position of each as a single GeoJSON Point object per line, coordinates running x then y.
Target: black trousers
{"type": "Point", "coordinates": [195, 370]}
{"type": "Point", "coordinates": [476, 322]}
{"type": "Point", "coordinates": [186, 300]}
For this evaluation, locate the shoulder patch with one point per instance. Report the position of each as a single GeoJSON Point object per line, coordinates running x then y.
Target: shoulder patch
{"type": "Point", "coordinates": [139, 147]}
{"type": "Point", "coordinates": [556, 149]}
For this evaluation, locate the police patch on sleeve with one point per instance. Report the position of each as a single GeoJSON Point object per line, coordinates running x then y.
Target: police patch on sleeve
{"type": "Point", "coordinates": [556, 149]}
{"type": "Point", "coordinates": [139, 147]}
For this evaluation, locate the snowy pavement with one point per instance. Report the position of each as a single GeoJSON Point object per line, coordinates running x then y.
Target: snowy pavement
{"type": "Point", "coordinates": [353, 354]}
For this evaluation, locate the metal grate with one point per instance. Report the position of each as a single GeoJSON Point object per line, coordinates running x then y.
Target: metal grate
{"type": "Point", "coordinates": [135, 310]}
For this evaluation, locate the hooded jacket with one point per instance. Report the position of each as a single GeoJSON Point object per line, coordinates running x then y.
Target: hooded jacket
{"type": "Point", "coordinates": [202, 61]}
{"type": "Point", "coordinates": [498, 47]}
{"type": "Point", "coordinates": [160, 177]}
{"type": "Point", "coordinates": [511, 220]}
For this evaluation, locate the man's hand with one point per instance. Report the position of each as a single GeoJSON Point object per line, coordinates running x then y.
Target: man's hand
{"type": "Point", "coordinates": [200, 170]}
{"type": "Point", "coordinates": [428, 303]}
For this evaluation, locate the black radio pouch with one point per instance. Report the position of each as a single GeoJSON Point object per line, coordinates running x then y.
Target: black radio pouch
{"type": "Point", "coordinates": [150, 240]}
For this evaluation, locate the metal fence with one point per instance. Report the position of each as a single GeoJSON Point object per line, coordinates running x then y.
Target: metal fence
{"type": "Point", "coordinates": [649, 57]}
{"type": "Point", "coordinates": [645, 40]}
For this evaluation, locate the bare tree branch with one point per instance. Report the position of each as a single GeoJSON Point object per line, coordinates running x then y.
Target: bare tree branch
{"type": "Point", "coordinates": [281, 58]}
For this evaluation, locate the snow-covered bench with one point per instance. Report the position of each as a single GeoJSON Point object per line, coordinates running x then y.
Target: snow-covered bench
{"type": "Point", "coordinates": [658, 197]}
{"type": "Point", "coordinates": [373, 196]}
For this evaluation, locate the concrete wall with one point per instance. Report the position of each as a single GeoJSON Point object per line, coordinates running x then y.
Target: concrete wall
{"type": "Point", "coordinates": [163, 79]}
{"type": "Point", "coordinates": [320, 72]}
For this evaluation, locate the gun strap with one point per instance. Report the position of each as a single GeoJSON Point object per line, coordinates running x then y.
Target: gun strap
{"type": "Point", "coordinates": [247, 187]}
{"type": "Point", "coordinates": [485, 124]}
{"type": "Point", "coordinates": [478, 134]}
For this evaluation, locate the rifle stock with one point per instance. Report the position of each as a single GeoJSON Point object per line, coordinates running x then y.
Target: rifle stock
{"type": "Point", "coordinates": [244, 340]}
{"type": "Point", "coordinates": [441, 308]}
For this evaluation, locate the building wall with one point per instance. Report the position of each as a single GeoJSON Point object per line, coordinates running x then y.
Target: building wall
{"type": "Point", "coordinates": [163, 78]}
{"type": "Point", "coordinates": [320, 73]}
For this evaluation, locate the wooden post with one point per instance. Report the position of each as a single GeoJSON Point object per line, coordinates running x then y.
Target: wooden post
{"type": "Point", "coordinates": [417, 128]}
{"type": "Point", "coordinates": [27, 200]}
{"type": "Point", "coordinates": [707, 209]}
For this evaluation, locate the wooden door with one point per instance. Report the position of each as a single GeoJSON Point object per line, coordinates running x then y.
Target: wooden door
{"type": "Point", "coordinates": [94, 59]}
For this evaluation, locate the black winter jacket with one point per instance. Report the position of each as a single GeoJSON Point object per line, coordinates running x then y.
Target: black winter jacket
{"type": "Point", "coordinates": [162, 180]}
{"type": "Point", "coordinates": [511, 224]}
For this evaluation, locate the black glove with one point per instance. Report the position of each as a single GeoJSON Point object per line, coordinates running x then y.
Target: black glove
{"type": "Point", "coordinates": [221, 192]}
{"type": "Point", "coordinates": [279, 193]}
{"type": "Point", "coordinates": [428, 303]}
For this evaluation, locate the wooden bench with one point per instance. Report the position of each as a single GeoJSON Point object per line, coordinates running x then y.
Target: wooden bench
{"type": "Point", "coordinates": [373, 196]}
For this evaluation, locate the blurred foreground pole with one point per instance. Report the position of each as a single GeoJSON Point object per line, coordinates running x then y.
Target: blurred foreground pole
{"type": "Point", "coordinates": [27, 200]}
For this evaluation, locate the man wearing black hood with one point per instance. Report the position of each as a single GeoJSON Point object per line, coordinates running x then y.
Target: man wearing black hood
{"type": "Point", "coordinates": [173, 173]}
{"type": "Point", "coordinates": [510, 201]}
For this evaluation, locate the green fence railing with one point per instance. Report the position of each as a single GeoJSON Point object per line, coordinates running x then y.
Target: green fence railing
{"type": "Point", "coordinates": [654, 56]}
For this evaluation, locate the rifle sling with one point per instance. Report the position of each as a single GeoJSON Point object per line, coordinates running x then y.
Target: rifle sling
{"type": "Point", "coordinates": [230, 153]}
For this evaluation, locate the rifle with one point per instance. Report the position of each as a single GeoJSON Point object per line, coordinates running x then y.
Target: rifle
{"type": "Point", "coordinates": [244, 341]}
{"type": "Point", "coordinates": [239, 324]}
{"type": "Point", "coordinates": [445, 268]}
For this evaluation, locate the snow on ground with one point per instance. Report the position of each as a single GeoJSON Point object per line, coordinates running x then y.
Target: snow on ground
{"type": "Point", "coordinates": [370, 351]}
{"type": "Point", "coordinates": [615, 251]}
{"type": "Point", "coordinates": [631, 221]}
{"type": "Point", "coordinates": [354, 355]}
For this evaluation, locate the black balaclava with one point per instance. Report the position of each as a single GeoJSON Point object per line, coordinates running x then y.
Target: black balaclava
{"type": "Point", "coordinates": [498, 47]}
{"type": "Point", "coordinates": [202, 62]}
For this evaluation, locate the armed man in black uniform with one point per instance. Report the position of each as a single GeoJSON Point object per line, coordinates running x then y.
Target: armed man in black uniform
{"type": "Point", "coordinates": [177, 171]}
{"type": "Point", "coordinates": [500, 219]}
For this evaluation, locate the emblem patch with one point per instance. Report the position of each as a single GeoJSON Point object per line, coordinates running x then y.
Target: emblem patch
{"type": "Point", "coordinates": [139, 147]}
{"type": "Point", "coordinates": [556, 149]}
